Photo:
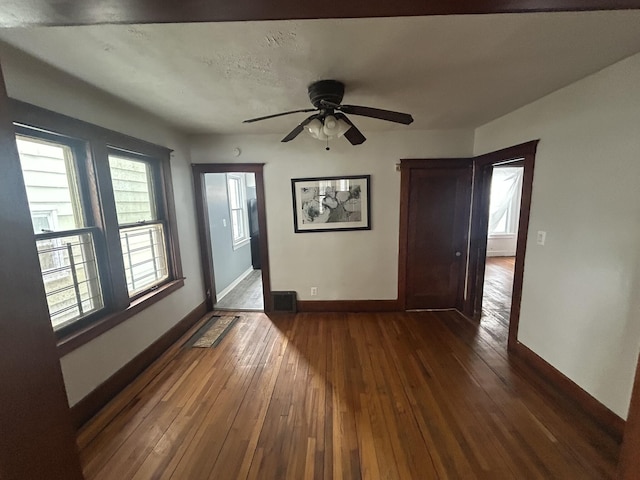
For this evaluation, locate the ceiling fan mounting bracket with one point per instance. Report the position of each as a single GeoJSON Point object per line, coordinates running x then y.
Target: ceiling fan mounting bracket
{"type": "Point", "coordinates": [327, 90]}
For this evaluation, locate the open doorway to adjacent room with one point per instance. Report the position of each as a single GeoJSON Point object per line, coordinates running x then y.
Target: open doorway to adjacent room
{"type": "Point", "coordinates": [502, 237]}
{"type": "Point", "coordinates": [234, 240]}
{"type": "Point", "coordinates": [231, 212]}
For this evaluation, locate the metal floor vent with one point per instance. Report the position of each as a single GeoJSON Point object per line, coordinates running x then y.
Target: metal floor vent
{"type": "Point", "coordinates": [284, 302]}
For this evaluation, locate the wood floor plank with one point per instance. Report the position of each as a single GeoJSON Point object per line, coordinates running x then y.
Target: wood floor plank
{"type": "Point", "coordinates": [332, 396]}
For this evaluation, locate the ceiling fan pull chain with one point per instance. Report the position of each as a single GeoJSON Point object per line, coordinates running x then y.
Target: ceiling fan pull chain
{"type": "Point", "coordinates": [327, 149]}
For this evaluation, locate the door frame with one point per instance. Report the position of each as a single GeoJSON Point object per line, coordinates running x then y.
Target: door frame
{"type": "Point", "coordinates": [523, 153]}
{"type": "Point", "coordinates": [406, 165]}
{"type": "Point", "coordinates": [204, 235]}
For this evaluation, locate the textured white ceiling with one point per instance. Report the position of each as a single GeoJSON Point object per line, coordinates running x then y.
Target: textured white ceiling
{"type": "Point", "coordinates": [448, 71]}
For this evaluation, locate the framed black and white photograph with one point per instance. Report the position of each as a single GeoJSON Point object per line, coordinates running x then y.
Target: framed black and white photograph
{"type": "Point", "coordinates": [331, 203]}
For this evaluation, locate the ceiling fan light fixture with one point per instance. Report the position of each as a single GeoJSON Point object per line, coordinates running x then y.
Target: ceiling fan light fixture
{"type": "Point", "coordinates": [315, 129]}
{"type": "Point", "coordinates": [334, 127]}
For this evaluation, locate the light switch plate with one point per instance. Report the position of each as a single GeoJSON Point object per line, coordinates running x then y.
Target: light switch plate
{"type": "Point", "coordinates": [541, 238]}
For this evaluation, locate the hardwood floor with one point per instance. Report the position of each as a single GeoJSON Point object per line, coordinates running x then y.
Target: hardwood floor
{"type": "Point", "coordinates": [496, 298]}
{"type": "Point", "coordinates": [330, 396]}
{"type": "Point", "coordinates": [247, 295]}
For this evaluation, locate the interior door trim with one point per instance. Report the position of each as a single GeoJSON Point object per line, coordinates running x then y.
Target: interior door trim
{"type": "Point", "coordinates": [204, 237]}
{"type": "Point", "coordinates": [483, 166]}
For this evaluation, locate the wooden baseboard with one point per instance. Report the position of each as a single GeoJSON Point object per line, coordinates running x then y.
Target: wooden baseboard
{"type": "Point", "coordinates": [86, 408]}
{"type": "Point", "coordinates": [609, 421]}
{"type": "Point", "coordinates": [348, 306]}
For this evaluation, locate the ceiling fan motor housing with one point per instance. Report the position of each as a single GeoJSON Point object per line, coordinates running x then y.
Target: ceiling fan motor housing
{"type": "Point", "coordinates": [328, 90]}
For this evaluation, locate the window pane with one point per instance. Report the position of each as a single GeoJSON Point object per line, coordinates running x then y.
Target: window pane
{"type": "Point", "coordinates": [237, 226]}
{"type": "Point", "coordinates": [234, 193]}
{"type": "Point", "coordinates": [50, 180]}
{"type": "Point", "coordinates": [506, 187]}
{"type": "Point", "coordinates": [145, 256]}
{"type": "Point", "coordinates": [132, 190]}
{"type": "Point", "coordinates": [70, 275]}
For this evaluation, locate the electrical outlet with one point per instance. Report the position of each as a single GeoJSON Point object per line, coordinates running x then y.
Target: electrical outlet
{"type": "Point", "coordinates": [224, 222]}
{"type": "Point", "coordinates": [314, 291]}
{"type": "Point", "coordinates": [541, 238]}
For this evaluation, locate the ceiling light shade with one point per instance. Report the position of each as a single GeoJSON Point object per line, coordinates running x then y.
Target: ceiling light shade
{"type": "Point", "coordinates": [343, 127]}
{"type": "Point", "coordinates": [334, 127]}
{"type": "Point", "coordinates": [315, 129]}
{"type": "Point", "coordinates": [330, 126]}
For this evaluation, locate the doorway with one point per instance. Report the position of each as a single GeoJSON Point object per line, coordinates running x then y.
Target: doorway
{"type": "Point", "coordinates": [502, 235]}
{"type": "Point", "coordinates": [233, 240]}
{"type": "Point", "coordinates": [452, 224]}
{"type": "Point", "coordinates": [522, 155]}
{"type": "Point", "coordinates": [234, 234]}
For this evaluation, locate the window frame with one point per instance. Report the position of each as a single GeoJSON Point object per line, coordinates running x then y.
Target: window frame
{"type": "Point", "coordinates": [242, 192]}
{"type": "Point", "coordinates": [159, 210]}
{"type": "Point", "coordinates": [92, 145]}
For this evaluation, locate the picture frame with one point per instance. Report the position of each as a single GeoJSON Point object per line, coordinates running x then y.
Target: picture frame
{"type": "Point", "coordinates": [328, 204]}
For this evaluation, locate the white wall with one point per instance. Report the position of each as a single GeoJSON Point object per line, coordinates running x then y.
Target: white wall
{"type": "Point", "coordinates": [502, 245]}
{"type": "Point", "coordinates": [358, 265]}
{"type": "Point", "coordinates": [88, 366]}
{"type": "Point", "coordinates": [580, 303]}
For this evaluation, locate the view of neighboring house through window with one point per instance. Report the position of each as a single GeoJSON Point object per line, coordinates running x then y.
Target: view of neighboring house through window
{"type": "Point", "coordinates": [236, 190]}
{"type": "Point", "coordinates": [64, 242]}
{"type": "Point", "coordinates": [142, 234]}
{"type": "Point", "coordinates": [103, 217]}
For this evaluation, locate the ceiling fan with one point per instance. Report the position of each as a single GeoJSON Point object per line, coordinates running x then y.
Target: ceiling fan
{"type": "Point", "coordinates": [330, 120]}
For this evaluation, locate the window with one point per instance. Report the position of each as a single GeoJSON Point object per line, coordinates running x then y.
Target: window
{"type": "Point", "coordinates": [506, 191]}
{"type": "Point", "coordinates": [236, 191]}
{"type": "Point", "coordinates": [141, 232]}
{"type": "Point", "coordinates": [102, 213]}
{"type": "Point", "coordinates": [65, 246]}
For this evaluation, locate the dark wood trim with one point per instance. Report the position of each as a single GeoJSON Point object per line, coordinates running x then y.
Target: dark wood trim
{"type": "Point", "coordinates": [59, 124]}
{"type": "Point", "coordinates": [264, 243]}
{"type": "Point", "coordinates": [629, 466]}
{"type": "Point", "coordinates": [169, 205]}
{"type": "Point", "coordinates": [403, 239]}
{"type": "Point", "coordinates": [96, 143]}
{"type": "Point", "coordinates": [483, 166]}
{"type": "Point", "coordinates": [78, 338]}
{"type": "Point", "coordinates": [36, 435]}
{"type": "Point", "coordinates": [348, 306]}
{"type": "Point", "coordinates": [204, 238]}
{"type": "Point", "coordinates": [406, 165]}
{"type": "Point", "coordinates": [199, 169]}
{"type": "Point", "coordinates": [86, 408]}
{"type": "Point", "coordinates": [609, 421]}
{"type": "Point", "coordinates": [90, 12]}
{"type": "Point", "coordinates": [116, 279]}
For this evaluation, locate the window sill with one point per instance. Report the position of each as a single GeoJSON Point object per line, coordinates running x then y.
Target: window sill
{"type": "Point", "coordinates": [241, 243]}
{"type": "Point", "coordinates": [70, 342]}
{"type": "Point", "coordinates": [502, 235]}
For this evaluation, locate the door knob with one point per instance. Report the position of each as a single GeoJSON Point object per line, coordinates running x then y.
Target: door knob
{"type": "Point", "coordinates": [458, 254]}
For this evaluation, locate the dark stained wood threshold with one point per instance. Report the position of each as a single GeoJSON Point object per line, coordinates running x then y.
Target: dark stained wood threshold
{"type": "Point", "coordinates": [75, 339]}
{"type": "Point", "coordinates": [86, 408]}
{"type": "Point", "coordinates": [609, 421]}
{"type": "Point", "coordinates": [18, 13]}
{"type": "Point", "coordinates": [348, 306]}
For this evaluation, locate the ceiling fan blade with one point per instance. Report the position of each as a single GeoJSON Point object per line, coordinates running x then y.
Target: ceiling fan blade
{"type": "Point", "coordinates": [296, 131]}
{"type": "Point", "coordinates": [387, 115]}
{"type": "Point", "coordinates": [251, 120]}
{"type": "Point", "coordinates": [354, 135]}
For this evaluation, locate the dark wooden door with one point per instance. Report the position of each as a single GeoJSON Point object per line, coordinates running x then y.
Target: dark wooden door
{"type": "Point", "coordinates": [436, 211]}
